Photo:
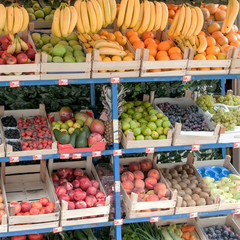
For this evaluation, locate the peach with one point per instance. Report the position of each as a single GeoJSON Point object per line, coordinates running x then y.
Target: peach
{"type": "Point", "coordinates": [222, 40]}
{"type": "Point", "coordinates": [212, 8]}
{"type": "Point", "coordinates": [152, 198]}
{"type": "Point", "coordinates": [154, 173]}
{"type": "Point", "coordinates": [26, 214]}
{"type": "Point", "coordinates": [26, 206]}
{"type": "Point", "coordinates": [138, 175]}
{"type": "Point", "coordinates": [121, 168]}
{"type": "Point", "coordinates": [146, 165]}
{"type": "Point", "coordinates": [220, 15]}
{"type": "Point", "coordinates": [127, 176]}
{"type": "Point", "coordinates": [231, 37]}
{"type": "Point", "coordinates": [37, 205]}
{"type": "Point", "coordinates": [49, 209]}
{"type": "Point", "coordinates": [159, 186]}
{"type": "Point", "coordinates": [17, 206]}
{"type": "Point", "coordinates": [150, 182]}
{"type": "Point", "coordinates": [139, 183]}
{"type": "Point", "coordinates": [134, 166]}
{"type": "Point", "coordinates": [42, 211]}
{"type": "Point", "coordinates": [206, 13]}
{"type": "Point", "coordinates": [139, 191]}
{"type": "Point", "coordinates": [162, 192]}
{"type": "Point", "coordinates": [44, 201]}
{"type": "Point", "coordinates": [214, 27]}
{"type": "Point", "coordinates": [34, 211]}
{"type": "Point", "coordinates": [128, 186]}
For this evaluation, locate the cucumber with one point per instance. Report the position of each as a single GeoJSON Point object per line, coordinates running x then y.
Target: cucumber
{"type": "Point", "coordinates": [173, 235]}
{"type": "Point", "coordinates": [166, 234]}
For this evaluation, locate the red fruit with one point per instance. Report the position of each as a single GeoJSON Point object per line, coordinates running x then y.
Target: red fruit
{"type": "Point", "coordinates": [68, 186]}
{"type": "Point", "coordinates": [76, 184]}
{"type": "Point", "coordinates": [94, 137]}
{"type": "Point", "coordinates": [154, 173]}
{"type": "Point", "coordinates": [38, 236]}
{"type": "Point", "coordinates": [100, 204]}
{"type": "Point", "coordinates": [5, 55]}
{"type": "Point", "coordinates": [134, 166]}
{"type": "Point", "coordinates": [22, 58]}
{"type": "Point", "coordinates": [4, 40]}
{"type": "Point", "coordinates": [150, 182]}
{"type": "Point", "coordinates": [139, 191]}
{"type": "Point", "coordinates": [68, 170]}
{"type": "Point", "coordinates": [78, 172]}
{"type": "Point", "coordinates": [70, 178]}
{"type": "Point", "coordinates": [71, 205]}
{"type": "Point", "coordinates": [55, 177]}
{"type": "Point", "coordinates": [66, 113]}
{"type": "Point", "coordinates": [128, 186]}
{"type": "Point", "coordinates": [25, 207]}
{"type": "Point", "coordinates": [62, 173]}
{"type": "Point", "coordinates": [62, 181]}
{"type": "Point", "coordinates": [44, 201]}
{"type": "Point", "coordinates": [31, 53]}
{"type": "Point", "coordinates": [64, 197]}
{"type": "Point", "coordinates": [42, 211]}
{"type": "Point", "coordinates": [71, 194]}
{"type": "Point", "coordinates": [29, 45]}
{"type": "Point", "coordinates": [138, 175]}
{"type": "Point", "coordinates": [85, 183]}
{"type": "Point", "coordinates": [11, 60]}
{"type": "Point", "coordinates": [49, 209]}
{"type": "Point", "coordinates": [79, 196]}
{"type": "Point", "coordinates": [139, 183]}
{"type": "Point", "coordinates": [78, 189]}
{"type": "Point", "coordinates": [4, 46]}
{"type": "Point", "coordinates": [152, 198]}
{"type": "Point", "coordinates": [55, 184]}
{"type": "Point", "coordinates": [158, 187]}
{"type": "Point", "coordinates": [92, 191]}
{"type": "Point", "coordinates": [97, 126]}
{"type": "Point", "coordinates": [20, 237]}
{"type": "Point", "coordinates": [60, 190]}
{"type": "Point", "coordinates": [162, 192]}
{"type": "Point", "coordinates": [17, 206]}
{"type": "Point", "coordinates": [127, 176]}
{"type": "Point", "coordinates": [34, 211]}
{"type": "Point", "coordinates": [146, 165]}
{"type": "Point", "coordinates": [91, 201]}
{"type": "Point", "coordinates": [37, 204]}
{"type": "Point", "coordinates": [80, 205]}
{"type": "Point", "coordinates": [95, 183]}
{"type": "Point", "coordinates": [100, 196]}
{"type": "Point", "coordinates": [51, 204]}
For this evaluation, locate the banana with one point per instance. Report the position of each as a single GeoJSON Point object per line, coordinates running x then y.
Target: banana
{"type": "Point", "coordinates": [11, 48]}
{"type": "Point", "coordinates": [174, 24]}
{"type": "Point", "coordinates": [146, 17]}
{"type": "Point", "coordinates": [196, 41]}
{"type": "Point", "coordinates": [202, 44]}
{"type": "Point", "coordinates": [112, 51]}
{"type": "Point", "coordinates": [79, 19]}
{"type": "Point", "coordinates": [106, 43]}
{"type": "Point", "coordinates": [192, 41]}
{"type": "Point", "coordinates": [24, 46]}
{"type": "Point", "coordinates": [25, 19]}
{"type": "Point", "coordinates": [82, 38]}
{"type": "Point", "coordinates": [187, 21]}
{"type": "Point", "coordinates": [136, 27]}
{"type": "Point", "coordinates": [158, 16]}
{"type": "Point", "coordinates": [87, 37]}
{"type": "Point", "coordinates": [92, 17]}
{"type": "Point", "coordinates": [56, 24]}
{"type": "Point", "coordinates": [200, 21]}
{"type": "Point", "coordinates": [101, 5]}
{"type": "Point", "coordinates": [96, 37]}
{"type": "Point", "coordinates": [91, 43]}
{"type": "Point", "coordinates": [121, 13]}
{"type": "Point", "coordinates": [10, 18]}
{"type": "Point", "coordinates": [3, 15]}
{"type": "Point", "coordinates": [129, 14]}
{"type": "Point", "coordinates": [229, 8]}
{"type": "Point", "coordinates": [107, 12]}
{"type": "Point", "coordinates": [193, 23]}
{"type": "Point", "coordinates": [99, 14]}
{"type": "Point", "coordinates": [84, 16]}
{"type": "Point", "coordinates": [136, 13]}
{"type": "Point", "coordinates": [73, 19]}
{"type": "Point", "coordinates": [18, 46]}
{"type": "Point", "coordinates": [6, 31]}
{"type": "Point", "coordinates": [113, 7]}
{"type": "Point", "coordinates": [180, 22]}
{"type": "Point", "coordinates": [164, 16]}
{"type": "Point", "coordinates": [152, 17]}
{"type": "Point", "coordinates": [65, 18]}
{"type": "Point", "coordinates": [180, 43]}
{"type": "Point", "coordinates": [18, 20]}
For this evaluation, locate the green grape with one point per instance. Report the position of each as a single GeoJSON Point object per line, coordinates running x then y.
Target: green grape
{"type": "Point", "coordinates": [206, 102]}
{"type": "Point", "coordinates": [229, 99]}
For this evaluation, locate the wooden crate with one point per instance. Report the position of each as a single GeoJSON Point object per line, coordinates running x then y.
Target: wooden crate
{"type": "Point", "coordinates": [134, 208]}
{"type": "Point", "coordinates": [22, 71]}
{"type": "Point", "coordinates": [229, 220]}
{"type": "Point", "coordinates": [73, 217]}
{"type": "Point", "coordinates": [29, 183]}
{"type": "Point", "coordinates": [2, 143]}
{"type": "Point", "coordinates": [235, 65]}
{"type": "Point", "coordinates": [223, 163]}
{"type": "Point", "coordinates": [28, 113]}
{"type": "Point", "coordinates": [4, 223]}
{"type": "Point", "coordinates": [42, 24]}
{"type": "Point", "coordinates": [179, 209]}
{"type": "Point", "coordinates": [189, 137]}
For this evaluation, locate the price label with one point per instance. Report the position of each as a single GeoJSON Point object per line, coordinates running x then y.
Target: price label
{"type": "Point", "coordinates": [117, 186]}
{"type": "Point", "coordinates": [65, 156]}
{"type": "Point", "coordinates": [97, 154]}
{"type": "Point", "coordinates": [14, 84]}
{"type": "Point", "coordinates": [193, 215]}
{"type": "Point", "coordinates": [196, 147]}
{"type": "Point", "coordinates": [237, 211]}
{"type": "Point", "coordinates": [154, 219]}
{"type": "Point", "coordinates": [236, 145]}
{"type": "Point", "coordinates": [77, 156]}
{"type": "Point", "coordinates": [14, 159]}
{"type": "Point", "coordinates": [118, 222]}
{"type": "Point", "coordinates": [150, 149]}
{"type": "Point", "coordinates": [37, 157]}
{"type": "Point", "coordinates": [115, 79]}
{"type": "Point", "coordinates": [63, 81]}
{"type": "Point", "coordinates": [57, 229]}
{"type": "Point", "coordinates": [187, 78]}
{"type": "Point", "coordinates": [117, 152]}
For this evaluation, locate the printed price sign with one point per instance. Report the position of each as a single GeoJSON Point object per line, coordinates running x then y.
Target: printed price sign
{"type": "Point", "coordinates": [154, 219]}
{"type": "Point", "coordinates": [187, 78]}
{"type": "Point", "coordinates": [14, 159]}
{"type": "Point", "coordinates": [118, 222]}
{"type": "Point", "coordinates": [117, 152]}
{"type": "Point", "coordinates": [117, 186]}
{"type": "Point", "coordinates": [76, 156]}
{"type": "Point", "coordinates": [14, 84]}
{"type": "Point", "coordinates": [150, 149]}
{"type": "Point", "coordinates": [57, 229]}
{"type": "Point", "coordinates": [193, 215]}
{"type": "Point", "coordinates": [65, 156]}
{"type": "Point", "coordinates": [115, 79]}
{"type": "Point", "coordinates": [97, 154]}
{"type": "Point", "coordinates": [196, 147]}
{"type": "Point", "coordinates": [37, 157]}
{"type": "Point", "coordinates": [237, 211]}
{"type": "Point", "coordinates": [63, 81]}
{"type": "Point", "coordinates": [236, 145]}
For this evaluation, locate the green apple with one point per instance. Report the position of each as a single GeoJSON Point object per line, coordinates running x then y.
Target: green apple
{"type": "Point", "coordinates": [137, 131]}
{"type": "Point", "coordinates": [155, 135]}
{"type": "Point", "coordinates": [144, 114]}
{"type": "Point", "coordinates": [53, 124]}
{"type": "Point", "coordinates": [165, 130]}
{"type": "Point", "coordinates": [125, 125]}
{"type": "Point", "coordinates": [143, 120]}
{"type": "Point", "coordinates": [137, 115]}
{"type": "Point", "coordinates": [64, 126]}
{"type": "Point", "coordinates": [146, 104]}
{"type": "Point", "coordinates": [166, 124]}
{"type": "Point", "coordinates": [146, 131]}
{"type": "Point", "coordinates": [159, 130]}
{"type": "Point", "coordinates": [165, 118]}
{"type": "Point", "coordinates": [140, 137]}
{"type": "Point", "coordinates": [139, 109]}
{"type": "Point", "coordinates": [133, 124]}
{"type": "Point", "coordinates": [152, 126]}
{"type": "Point", "coordinates": [153, 118]}
{"type": "Point", "coordinates": [159, 115]}
{"type": "Point", "coordinates": [153, 111]}
{"type": "Point", "coordinates": [148, 138]}
{"type": "Point", "coordinates": [60, 122]}
{"type": "Point", "coordinates": [162, 137]}
{"type": "Point", "coordinates": [159, 122]}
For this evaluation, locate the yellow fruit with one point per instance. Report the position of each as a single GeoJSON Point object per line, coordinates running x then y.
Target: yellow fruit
{"type": "Point", "coordinates": [116, 58]}
{"type": "Point", "coordinates": [128, 58]}
{"type": "Point", "coordinates": [117, 33]}
{"type": "Point", "coordinates": [107, 59]}
{"type": "Point", "coordinates": [103, 37]}
{"type": "Point", "coordinates": [76, 125]}
{"type": "Point", "coordinates": [122, 40]}
{"type": "Point", "coordinates": [87, 45]}
{"type": "Point", "coordinates": [103, 33]}
{"type": "Point", "coordinates": [89, 50]}
{"type": "Point", "coordinates": [111, 37]}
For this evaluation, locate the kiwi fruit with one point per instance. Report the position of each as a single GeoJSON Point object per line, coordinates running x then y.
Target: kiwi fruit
{"type": "Point", "coordinates": [192, 185]}
{"type": "Point", "coordinates": [178, 168]}
{"type": "Point", "coordinates": [184, 172]}
{"type": "Point", "coordinates": [181, 193]}
{"type": "Point", "coordinates": [190, 171]}
{"type": "Point", "coordinates": [183, 185]}
{"type": "Point", "coordinates": [204, 195]}
{"type": "Point", "coordinates": [177, 186]}
{"type": "Point", "coordinates": [195, 181]}
{"type": "Point", "coordinates": [174, 181]}
{"type": "Point", "coordinates": [178, 179]}
{"type": "Point", "coordinates": [187, 181]}
{"type": "Point", "coordinates": [184, 203]}
{"type": "Point", "coordinates": [173, 172]}
{"type": "Point", "coordinates": [188, 191]}
{"type": "Point", "coordinates": [201, 202]}
{"type": "Point", "coordinates": [184, 176]}
{"type": "Point", "coordinates": [206, 189]}
{"type": "Point", "coordinates": [168, 176]}
{"type": "Point", "coordinates": [187, 197]}
{"type": "Point", "coordinates": [197, 190]}
{"type": "Point", "coordinates": [209, 201]}
{"type": "Point", "coordinates": [191, 203]}
{"type": "Point", "coordinates": [195, 197]}
{"type": "Point", "coordinates": [202, 184]}
{"type": "Point", "coordinates": [191, 177]}
{"type": "Point", "coordinates": [185, 167]}
{"type": "Point", "coordinates": [168, 182]}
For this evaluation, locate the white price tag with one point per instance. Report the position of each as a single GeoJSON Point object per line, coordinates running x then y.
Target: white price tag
{"type": "Point", "coordinates": [115, 79]}
{"type": "Point", "coordinates": [77, 156]}
{"type": "Point", "coordinates": [57, 229]}
{"type": "Point", "coordinates": [117, 186]}
{"type": "Point", "coordinates": [14, 159]}
{"type": "Point", "coordinates": [237, 211]}
{"type": "Point", "coordinates": [196, 147]}
{"type": "Point", "coordinates": [154, 219]}
{"type": "Point", "coordinates": [14, 84]}
{"type": "Point", "coordinates": [150, 149]}
{"type": "Point", "coordinates": [37, 157]}
{"type": "Point", "coordinates": [65, 156]}
{"type": "Point", "coordinates": [63, 81]}
{"type": "Point", "coordinates": [118, 222]}
{"type": "Point", "coordinates": [97, 154]}
{"type": "Point", "coordinates": [193, 215]}
{"type": "Point", "coordinates": [117, 152]}
{"type": "Point", "coordinates": [187, 78]}
{"type": "Point", "coordinates": [236, 145]}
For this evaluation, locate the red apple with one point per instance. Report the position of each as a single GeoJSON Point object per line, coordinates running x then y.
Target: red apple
{"type": "Point", "coordinates": [5, 55]}
{"type": "Point", "coordinates": [11, 60]}
{"type": "Point", "coordinates": [4, 40]}
{"type": "Point", "coordinates": [97, 126]}
{"type": "Point", "coordinates": [65, 113]}
{"type": "Point", "coordinates": [4, 46]}
{"type": "Point", "coordinates": [80, 204]}
{"type": "Point", "coordinates": [31, 53]}
{"type": "Point", "coordinates": [94, 137]}
{"type": "Point", "coordinates": [2, 61]}
{"type": "Point", "coordinates": [22, 58]}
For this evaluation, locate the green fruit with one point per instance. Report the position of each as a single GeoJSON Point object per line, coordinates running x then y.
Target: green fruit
{"type": "Point", "coordinates": [152, 118]}
{"type": "Point", "coordinates": [64, 43]}
{"type": "Point", "coordinates": [126, 131]}
{"type": "Point", "coordinates": [82, 140]}
{"type": "Point", "coordinates": [125, 125]}
{"type": "Point", "coordinates": [32, 17]}
{"type": "Point", "coordinates": [133, 124]}
{"type": "Point", "coordinates": [78, 53]}
{"type": "Point", "coordinates": [49, 17]}
{"type": "Point", "coordinates": [140, 137]}
{"type": "Point", "coordinates": [148, 138]}
{"type": "Point", "coordinates": [137, 103]}
{"type": "Point", "coordinates": [73, 43]}
{"type": "Point", "coordinates": [165, 130]}
{"type": "Point", "coordinates": [53, 11]}
{"type": "Point", "coordinates": [124, 115]}
{"type": "Point", "coordinates": [137, 115]}
{"type": "Point", "coordinates": [57, 59]}
{"type": "Point", "coordinates": [152, 126]}
{"type": "Point", "coordinates": [36, 7]}
{"type": "Point", "coordinates": [40, 19]}
{"type": "Point", "coordinates": [139, 109]}
{"type": "Point", "coordinates": [160, 115]}
{"type": "Point", "coordinates": [30, 10]}
{"type": "Point", "coordinates": [80, 122]}
{"type": "Point", "coordinates": [146, 104]}
{"type": "Point", "coordinates": [137, 131]}
{"type": "Point", "coordinates": [144, 114]}
{"type": "Point", "coordinates": [36, 36]}
{"type": "Point", "coordinates": [59, 50]}
{"type": "Point", "coordinates": [67, 54]}
{"type": "Point", "coordinates": [80, 59]}
{"type": "Point", "coordinates": [61, 137]}
{"type": "Point", "coordinates": [72, 36]}
{"type": "Point", "coordinates": [159, 122]}
{"type": "Point", "coordinates": [149, 108]}
{"type": "Point", "coordinates": [69, 59]}
{"type": "Point", "coordinates": [46, 48]}
{"type": "Point", "coordinates": [68, 48]}
{"type": "Point", "coordinates": [153, 111]}
{"type": "Point", "coordinates": [39, 14]}
{"type": "Point", "coordinates": [130, 111]}
{"type": "Point", "coordinates": [46, 39]}
{"type": "Point", "coordinates": [162, 137]}
{"type": "Point", "coordinates": [64, 126]}
{"type": "Point", "coordinates": [54, 40]}
{"type": "Point", "coordinates": [53, 124]}
{"type": "Point", "coordinates": [47, 10]}
{"type": "Point", "coordinates": [49, 58]}
{"type": "Point", "coordinates": [155, 135]}
{"type": "Point", "coordinates": [166, 124]}
{"type": "Point", "coordinates": [159, 130]}
{"type": "Point", "coordinates": [77, 47]}
{"type": "Point", "coordinates": [165, 118]}
{"type": "Point", "coordinates": [143, 120]}
{"type": "Point", "coordinates": [146, 131]}
{"type": "Point", "coordinates": [39, 44]}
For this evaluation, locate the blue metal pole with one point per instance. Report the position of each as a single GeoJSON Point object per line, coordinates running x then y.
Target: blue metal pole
{"type": "Point", "coordinates": [118, 229]}
{"type": "Point", "coordinates": [92, 94]}
{"type": "Point", "coordinates": [224, 152]}
{"type": "Point", "coordinates": [222, 83]}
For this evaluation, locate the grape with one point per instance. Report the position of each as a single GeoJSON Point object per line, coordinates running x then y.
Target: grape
{"type": "Point", "coordinates": [206, 102]}
{"type": "Point", "coordinates": [229, 99]}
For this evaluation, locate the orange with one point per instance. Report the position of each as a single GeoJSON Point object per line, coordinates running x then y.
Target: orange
{"type": "Point", "coordinates": [217, 34]}
{"type": "Point", "coordinates": [212, 8]}
{"type": "Point", "coordinates": [164, 53]}
{"type": "Point", "coordinates": [111, 37]}
{"type": "Point", "coordinates": [122, 40]}
{"type": "Point", "coordinates": [214, 27]}
{"type": "Point", "coordinates": [176, 56]}
{"type": "Point", "coordinates": [117, 33]}
{"type": "Point", "coordinates": [220, 15]}
{"type": "Point", "coordinates": [210, 41]}
{"type": "Point", "coordinates": [148, 41]}
{"type": "Point", "coordinates": [235, 44]}
{"type": "Point", "coordinates": [116, 58]}
{"type": "Point", "coordinates": [103, 33]}
{"type": "Point", "coordinates": [206, 13]}
{"type": "Point", "coordinates": [164, 46]}
{"type": "Point", "coordinates": [231, 37]}
{"type": "Point", "coordinates": [171, 13]}
{"type": "Point", "coordinates": [103, 37]}
{"type": "Point", "coordinates": [130, 33]}
{"type": "Point", "coordinates": [133, 39]}
{"type": "Point", "coordinates": [225, 47]}
{"type": "Point", "coordinates": [155, 70]}
{"type": "Point", "coordinates": [157, 41]}
{"type": "Point", "coordinates": [154, 45]}
{"type": "Point", "coordinates": [199, 56]}
{"type": "Point", "coordinates": [162, 57]}
{"type": "Point", "coordinates": [107, 59]}
{"type": "Point", "coordinates": [223, 7]}
{"type": "Point", "coordinates": [90, 50]}
{"type": "Point", "coordinates": [213, 50]}
{"type": "Point", "coordinates": [127, 58]}
{"type": "Point", "coordinates": [204, 69]}
{"type": "Point", "coordinates": [222, 40]}
{"type": "Point", "coordinates": [147, 35]}
{"type": "Point", "coordinates": [174, 50]}
{"type": "Point", "coordinates": [211, 57]}
{"type": "Point", "coordinates": [151, 58]}
{"type": "Point", "coordinates": [170, 42]}
{"type": "Point", "coordinates": [138, 44]}
{"type": "Point", "coordinates": [152, 51]}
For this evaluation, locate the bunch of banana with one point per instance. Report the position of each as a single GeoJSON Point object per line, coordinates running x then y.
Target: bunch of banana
{"type": "Point", "coordinates": [88, 39]}
{"type": "Point", "coordinates": [3, 14]}
{"type": "Point", "coordinates": [17, 46]}
{"type": "Point", "coordinates": [17, 19]}
{"type": "Point", "coordinates": [232, 12]}
{"type": "Point", "coordinates": [188, 21]}
{"type": "Point", "coordinates": [107, 47]}
{"type": "Point", "coordinates": [147, 16]}
{"type": "Point", "coordinates": [64, 20]}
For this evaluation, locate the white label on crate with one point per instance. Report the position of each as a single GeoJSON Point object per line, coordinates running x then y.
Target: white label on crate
{"type": "Point", "coordinates": [237, 211]}
{"type": "Point", "coordinates": [117, 186]}
{"type": "Point", "coordinates": [193, 215]}
{"type": "Point", "coordinates": [57, 229]}
{"type": "Point", "coordinates": [115, 130]}
{"type": "Point", "coordinates": [115, 79]}
{"type": "Point", "coordinates": [187, 78]}
{"type": "Point", "coordinates": [64, 155]}
{"type": "Point", "coordinates": [63, 81]}
{"type": "Point", "coordinates": [76, 156]}
{"type": "Point", "coordinates": [97, 154]}
{"type": "Point", "coordinates": [195, 147]}
{"type": "Point", "coordinates": [37, 157]}
{"type": "Point", "coordinates": [150, 149]}
{"type": "Point", "coordinates": [118, 222]}
{"type": "Point", "coordinates": [117, 152]}
{"type": "Point", "coordinates": [154, 219]}
{"type": "Point", "coordinates": [14, 159]}
{"type": "Point", "coordinates": [14, 84]}
{"type": "Point", "coordinates": [236, 145]}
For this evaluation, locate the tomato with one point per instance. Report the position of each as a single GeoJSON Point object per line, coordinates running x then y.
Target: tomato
{"type": "Point", "coordinates": [38, 236]}
{"type": "Point", "coordinates": [21, 237]}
